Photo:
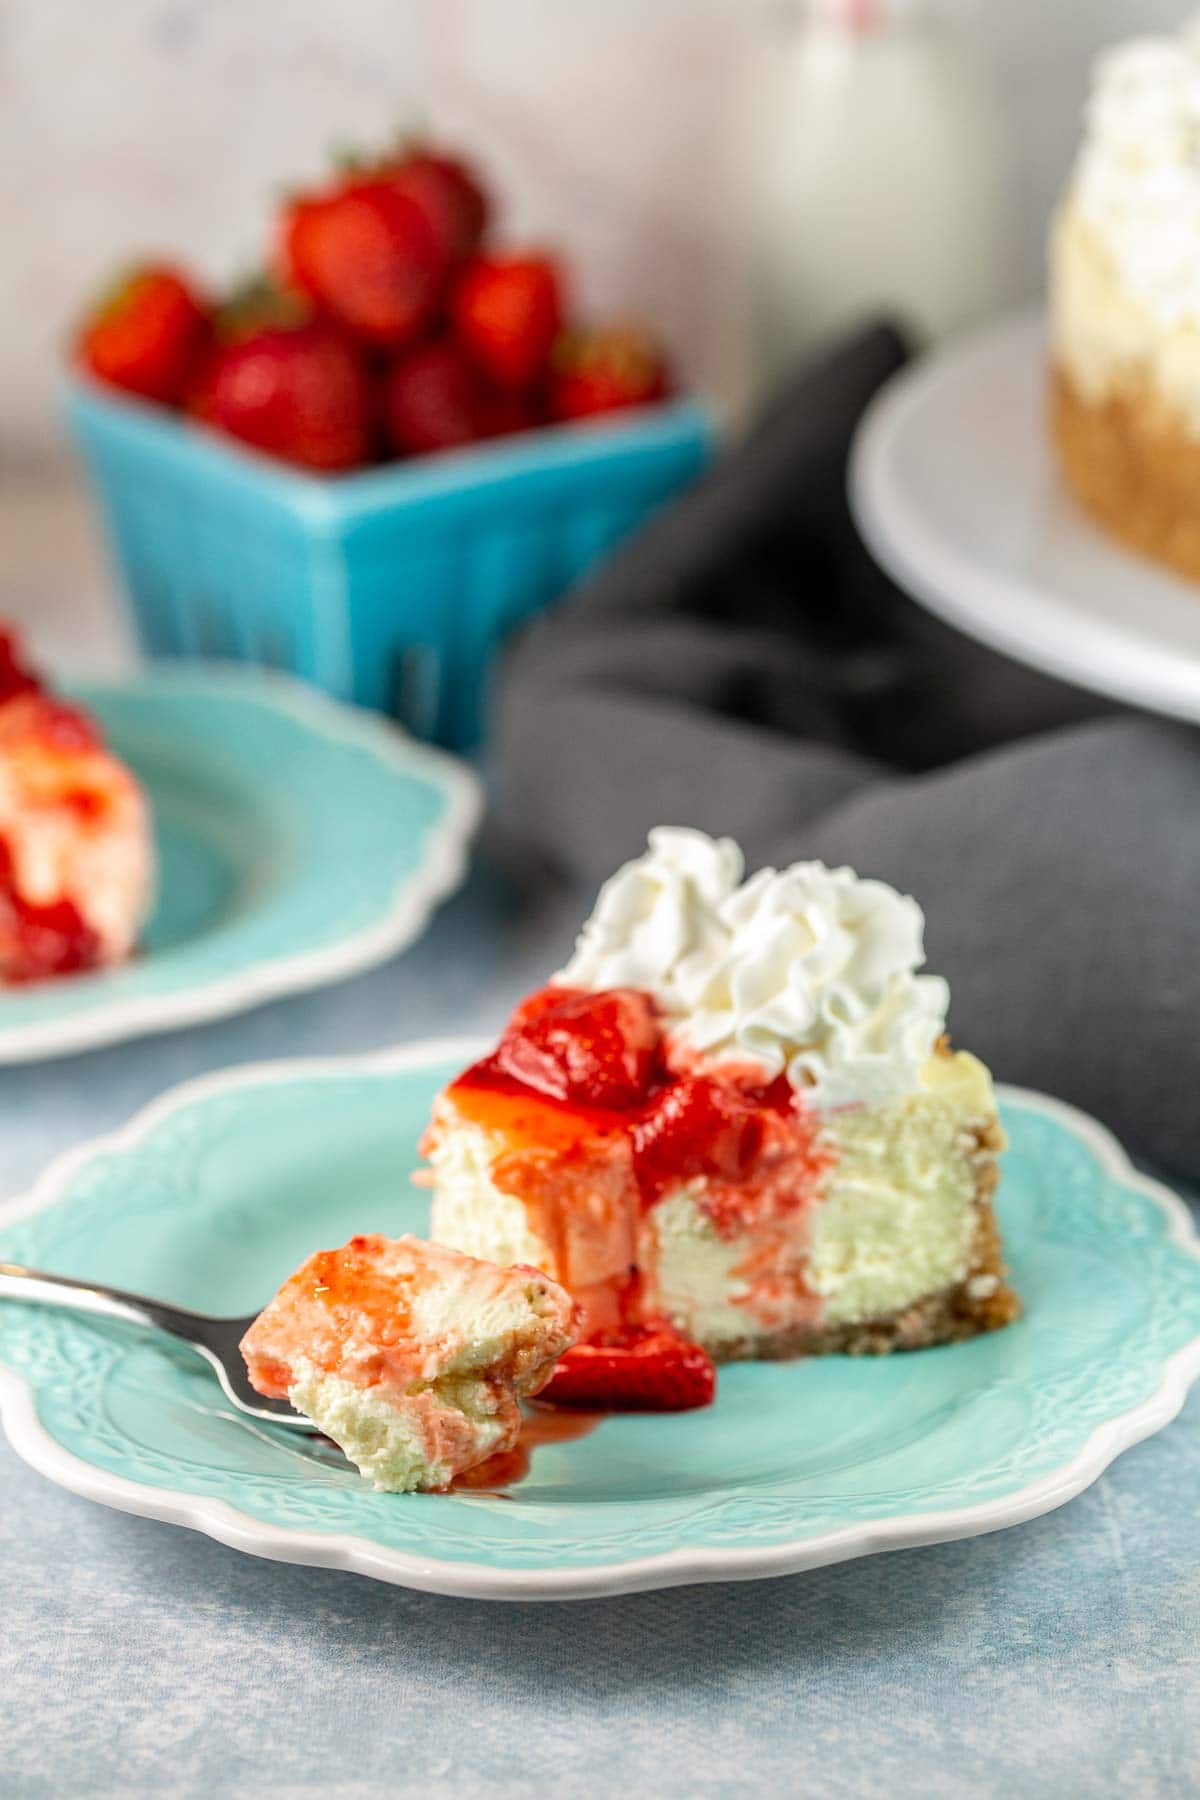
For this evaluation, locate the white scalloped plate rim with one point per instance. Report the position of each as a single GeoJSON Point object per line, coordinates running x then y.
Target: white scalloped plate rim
{"type": "Point", "coordinates": [413, 901]}
{"type": "Point", "coordinates": [1133, 652]}
{"type": "Point", "coordinates": [673, 1568]}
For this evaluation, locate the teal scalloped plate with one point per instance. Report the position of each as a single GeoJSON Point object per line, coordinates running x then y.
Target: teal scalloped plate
{"type": "Point", "coordinates": [212, 1196]}
{"type": "Point", "coordinates": [299, 841]}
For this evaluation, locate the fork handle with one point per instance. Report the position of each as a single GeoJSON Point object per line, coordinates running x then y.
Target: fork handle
{"type": "Point", "coordinates": [39, 1287]}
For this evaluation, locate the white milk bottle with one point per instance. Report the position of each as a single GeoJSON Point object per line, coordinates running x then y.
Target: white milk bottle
{"type": "Point", "coordinates": [863, 156]}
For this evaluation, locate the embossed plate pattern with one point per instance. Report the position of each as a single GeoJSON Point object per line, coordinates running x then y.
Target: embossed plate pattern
{"type": "Point", "coordinates": [215, 1193]}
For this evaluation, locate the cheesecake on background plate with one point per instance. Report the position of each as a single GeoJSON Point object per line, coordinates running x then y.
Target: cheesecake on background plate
{"type": "Point", "coordinates": [76, 850]}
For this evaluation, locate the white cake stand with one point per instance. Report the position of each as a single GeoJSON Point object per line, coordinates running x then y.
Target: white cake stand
{"type": "Point", "coordinates": [954, 490]}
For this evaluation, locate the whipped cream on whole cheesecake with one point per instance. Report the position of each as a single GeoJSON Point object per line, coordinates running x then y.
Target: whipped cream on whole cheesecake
{"type": "Point", "coordinates": [1124, 264]}
{"type": "Point", "coordinates": [1124, 302]}
{"type": "Point", "coordinates": [807, 970]}
{"type": "Point", "coordinates": [1137, 179]}
{"type": "Point", "coordinates": [734, 1107]}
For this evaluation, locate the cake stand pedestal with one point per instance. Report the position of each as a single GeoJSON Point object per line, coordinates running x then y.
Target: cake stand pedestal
{"type": "Point", "coordinates": [954, 489]}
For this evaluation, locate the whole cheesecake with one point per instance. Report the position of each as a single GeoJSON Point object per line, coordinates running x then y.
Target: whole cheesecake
{"type": "Point", "coordinates": [736, 1110]}
{"type": "Point", "coordinates": [1124, 322]}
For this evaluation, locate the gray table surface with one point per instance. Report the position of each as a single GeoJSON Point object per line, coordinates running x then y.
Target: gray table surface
{"type": "Point", "coordinates": [1060, 1657]}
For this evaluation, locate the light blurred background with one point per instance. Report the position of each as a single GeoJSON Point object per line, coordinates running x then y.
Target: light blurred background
{"type": "Point", "coordinates": [173, 123]}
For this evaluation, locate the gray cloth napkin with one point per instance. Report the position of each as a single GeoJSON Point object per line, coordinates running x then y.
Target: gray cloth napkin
{"type": "Point", "coordinates": [742, 665]}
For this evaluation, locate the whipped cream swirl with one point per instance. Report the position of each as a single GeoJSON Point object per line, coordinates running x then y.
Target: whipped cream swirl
{"type": "Point", "coordinates": [809, 970]}
{"type": "Point", "coordinates": [1137, 178]}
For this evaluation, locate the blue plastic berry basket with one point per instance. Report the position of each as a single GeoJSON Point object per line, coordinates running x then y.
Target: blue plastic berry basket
{"type": "Point", "coordinates": [392, 586]}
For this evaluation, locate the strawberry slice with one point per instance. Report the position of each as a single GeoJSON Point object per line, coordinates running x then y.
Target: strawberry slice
{"type": "Point", "coordinates": [696, 1128]}
{"type": "Point", "coordinates": [597, 1050]}
{"type": "Point", "coordinates": [638, 1368]}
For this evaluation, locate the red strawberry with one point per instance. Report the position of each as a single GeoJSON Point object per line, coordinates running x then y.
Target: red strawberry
{"type": "Point", "coordinates": [638, 1368]}
{"type": "Point", "coordinates": [16, 677]}
{"type": "Point", "coordinates": [603, 371]}
{"type": "Point", "coordinates": [369, 255]}
{"type": "Point", "coordinates": [147, 334]}
{"type": "Point", "coordinates": [433, 400]}
{"type": "Point", "coordinates": [506, 412]}
{"type": "Point", "coordinates": [37, 941]}
{"type": "Point", "coordinates": [697, 1128]}
{"type": "Point", "coordinates": [259, 303]}
{"type": "Point", "coordinates": [507, 312]}
{"type": "Point", "coordinates": [300, 393]}
{"type": "Point", "coordinates": [594, 1049]}
{"type": "Point", "coordinates": [450, 196]}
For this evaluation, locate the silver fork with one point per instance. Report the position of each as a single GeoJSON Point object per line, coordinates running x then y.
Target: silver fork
{"type": "Point", "coordinates": [216, 1340]}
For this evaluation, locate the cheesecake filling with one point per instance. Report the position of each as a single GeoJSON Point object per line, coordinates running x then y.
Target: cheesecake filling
{"type": "Point", "coordinates": [411, 1357]}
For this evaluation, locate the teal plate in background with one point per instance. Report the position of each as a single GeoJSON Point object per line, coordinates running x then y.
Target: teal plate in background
{"type": "Point", "coordinates": [215, 1194]}
{"type": "Point", "coordinates": [298, 840]}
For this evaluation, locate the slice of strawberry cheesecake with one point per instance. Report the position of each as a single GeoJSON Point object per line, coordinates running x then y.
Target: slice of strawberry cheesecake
{"type": "Point", "coordinates": [411, 1357]}
{"type": "Point", "coordinates": [735, 1110]}
{"type": "Point", "coordinates": [76, 856]}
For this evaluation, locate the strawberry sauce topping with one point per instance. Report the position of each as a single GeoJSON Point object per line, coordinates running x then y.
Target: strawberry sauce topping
{"type": "Point", "coordinates": [696, 1128]}
{"type": "Point", "coordinates": [649, 1367]}
{"type": "Point", "coordinates": [41, 940]}
{"type": "Point", "coordinates": [16, 677]}
{"type": "Point", "coordinates": [37, 941]}
{"type": "Point", "coordinates": [600, 1121]}
{"type": "Point", "coordinates": [600, 1051]}
{"type": "Point", "coordinates": [599, 1060]}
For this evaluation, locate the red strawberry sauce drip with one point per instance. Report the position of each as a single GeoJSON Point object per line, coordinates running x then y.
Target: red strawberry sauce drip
{"type": "Point", "coordinates": [507, 1467]}
{"type": "Point", "coordinates": [38, 941]}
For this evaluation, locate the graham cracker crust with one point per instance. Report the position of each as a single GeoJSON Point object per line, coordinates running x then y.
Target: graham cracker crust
{"type": "Point", "coordinates": [981, 1301]}
{"type": "Point", "coordinates": [1131, 464]}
